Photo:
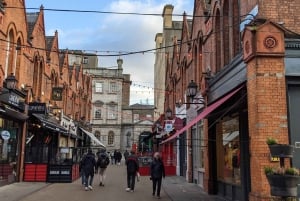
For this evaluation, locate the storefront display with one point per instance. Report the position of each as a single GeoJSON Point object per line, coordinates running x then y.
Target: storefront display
{"type": "Point", "coordinates": [229, 151]}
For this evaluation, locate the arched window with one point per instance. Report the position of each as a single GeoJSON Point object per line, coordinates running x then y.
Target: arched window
{"type": "Point", "coordinates": [18, 59]}
{"type": "Point", "coordinates": [111, 138]}
{"type": "Point", "coordinates": [227, 26]}
{"type": "Point", "coordinates": [218, 29]}
{"type": "Point", "coordinates": [10, 62]}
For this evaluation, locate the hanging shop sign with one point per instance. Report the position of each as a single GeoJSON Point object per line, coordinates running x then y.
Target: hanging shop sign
{"type": "Point", "coordinates": [57, 93]}
{"type": "Point", "coordinates": [13, 99]}
{"type": "Point", "coordinates": [37, 108]}
{"type": "Point", "coordinates": [5, 135]}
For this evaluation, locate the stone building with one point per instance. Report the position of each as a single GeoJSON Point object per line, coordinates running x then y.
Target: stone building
{"type": "Point", "coordinates": [171, 32]}
{"type": "Point", "coordinates": [137, 122]}
{"type": "Point", "coordinates": [110, 92]}
{"type": "Point", "coordinates": [243, 56]}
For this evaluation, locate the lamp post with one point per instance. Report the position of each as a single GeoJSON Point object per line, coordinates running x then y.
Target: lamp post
{"type": "Point", "coordinates": [11, 82]}
{"type": "Point", "coordinates": [192, 89]}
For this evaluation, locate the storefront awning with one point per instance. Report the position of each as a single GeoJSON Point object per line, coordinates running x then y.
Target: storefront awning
{"type": "Point", "coordinates": [93, 137]}
{"type": "Point", "coordinates": [13, 114]}
{"type": "Point", "coordinates": [50, 124]}
{"type": "Point", "coordinates": [202, 115]}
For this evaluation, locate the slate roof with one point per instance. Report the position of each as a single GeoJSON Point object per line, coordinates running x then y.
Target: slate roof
{"type": "Point", "coordinates": [31, 20]}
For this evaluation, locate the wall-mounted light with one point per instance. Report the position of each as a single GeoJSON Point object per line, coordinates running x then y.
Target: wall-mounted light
{"type": "Point", "coordinates": [11, 81]}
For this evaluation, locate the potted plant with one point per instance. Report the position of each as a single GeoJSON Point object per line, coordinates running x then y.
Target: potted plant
{"type": "Point", "coordinates": [279, 150]}
{"type": "Point", "coordinates": [283, 181]}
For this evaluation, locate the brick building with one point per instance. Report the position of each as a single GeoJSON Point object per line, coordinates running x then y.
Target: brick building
{"type": "Point", "coordinates": [244, 56]}
{"type": "Point", "coordinates": [40, 115]}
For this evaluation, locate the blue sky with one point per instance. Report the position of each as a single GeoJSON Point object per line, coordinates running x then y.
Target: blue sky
{"type": "Point", "coordinates": [112, 33]}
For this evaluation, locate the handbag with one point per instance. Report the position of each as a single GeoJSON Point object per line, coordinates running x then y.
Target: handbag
{"type": "Point", "coordinates": [138, 176]}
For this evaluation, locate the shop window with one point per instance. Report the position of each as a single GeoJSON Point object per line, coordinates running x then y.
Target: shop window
{"type": "Point", "coordinates": [198, 146]}
{"type": "Point", "coordinates": [229, 151]}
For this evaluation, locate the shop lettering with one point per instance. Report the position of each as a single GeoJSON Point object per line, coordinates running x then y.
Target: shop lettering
{"type": "Point", "coordinates": [13, 99]}
{"type": "Point", "coordinates": [54, 172]}
{"type": "Point", "coordinates": [57, 172]}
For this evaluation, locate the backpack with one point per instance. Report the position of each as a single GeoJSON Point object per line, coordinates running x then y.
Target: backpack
{"type": "Point", "coordinates": [102, 162]}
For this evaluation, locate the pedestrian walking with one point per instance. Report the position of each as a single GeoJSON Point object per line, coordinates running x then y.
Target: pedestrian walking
{"type": "Point", "coordinates": [132, 170]}
{"type": "Point", "coordinates": [126, 154]}
{"type": "Point", "coordinates": [81, 170]}
{"type": "Point", "coordinates": [102, 163]}
{"type": "Point", "coordinates": [118, 157]}
{"type": "Point", "coordinates": [157, 172]}
{"type": "Point", "coordinates": [89, 168]}
{"type": "Point", "coordinates": [112, 158]}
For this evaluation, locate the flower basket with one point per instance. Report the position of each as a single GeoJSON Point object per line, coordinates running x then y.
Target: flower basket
{"type": "Point", "coordinates": [281, 150]}
{"type": "Point", "coordinates": [283, 185]}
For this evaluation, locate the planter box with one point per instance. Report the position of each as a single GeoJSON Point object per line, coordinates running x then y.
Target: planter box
{"type": "Point", "coordinates": [283, 185]}
{"type": "Point", "coordinates": [281, 150]}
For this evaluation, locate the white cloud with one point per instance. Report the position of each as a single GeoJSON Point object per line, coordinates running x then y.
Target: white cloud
{"type": "Point", "coordinates": [114, 32]}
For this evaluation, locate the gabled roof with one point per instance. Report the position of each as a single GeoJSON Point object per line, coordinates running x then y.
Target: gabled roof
{"type": "Point", "coordinates": [31, 20]}
{"type": "Point", "coordinates": [49, 42]}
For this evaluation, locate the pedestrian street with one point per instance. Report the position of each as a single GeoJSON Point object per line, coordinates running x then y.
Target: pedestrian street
{"type": "Point", "coordinates": [114, 189]}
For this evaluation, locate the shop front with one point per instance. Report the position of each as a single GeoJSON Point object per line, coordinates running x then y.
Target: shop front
{"type": "Point", "coordinates": [229, 149]}
{"type": "Point", "coordinates": [12, 124]}
{"type": "Point", "coordinates": [51, 154]}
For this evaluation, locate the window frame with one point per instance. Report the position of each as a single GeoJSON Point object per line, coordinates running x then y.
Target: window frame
{"type": "Point", "coordinates": [98, 87]}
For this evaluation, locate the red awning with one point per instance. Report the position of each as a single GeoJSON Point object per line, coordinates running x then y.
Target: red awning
{"type": "Point", "coordinates": [202, 115]}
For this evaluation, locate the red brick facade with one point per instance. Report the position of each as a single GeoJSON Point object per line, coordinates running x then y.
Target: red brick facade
{"type": "Point", "coordinates": [39, 65]}
{"type": "Point", "coordinates": [215, 40]}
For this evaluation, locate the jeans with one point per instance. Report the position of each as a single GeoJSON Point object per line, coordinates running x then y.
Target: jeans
{"type": "Point", "coordinates": [131, 180]}
{"type": "Point", "coordinates": [89, 180]}
{"type": "Point", "coordinates": [82, 177]}
{"type": "Point", "coordinates": [156, 184]}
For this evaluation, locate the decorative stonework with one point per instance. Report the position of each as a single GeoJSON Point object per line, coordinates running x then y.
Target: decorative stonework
{"type": "Point", "coordinates": [270, 42]}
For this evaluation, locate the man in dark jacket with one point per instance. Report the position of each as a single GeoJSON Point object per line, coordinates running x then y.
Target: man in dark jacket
{"type": "Point", "coordinates": [89, 167]}
{"type": "Point", "coordinates": [132, 169]}
{"type": "Point", "coordinates": [157, 172]}
{"type": "Point", "coordinates": [102, 163]}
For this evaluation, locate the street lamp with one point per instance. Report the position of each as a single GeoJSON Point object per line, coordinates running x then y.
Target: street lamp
{"type": "Point", "coordinates": [192, 89]}
{"type": "Point", "coordinates": [11, 81]}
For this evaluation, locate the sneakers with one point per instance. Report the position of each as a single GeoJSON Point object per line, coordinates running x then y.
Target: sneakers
{"type": "Point", "coordinates": [90, 187]}
{"type": "Point", "coordinates": [86, 188]}
{"type": "Point", "coordinates": [101, 184]}
{"type": "Point", "coordinates": [127, 189]}
{"type": "Point", "coordinates": [131, 191]}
